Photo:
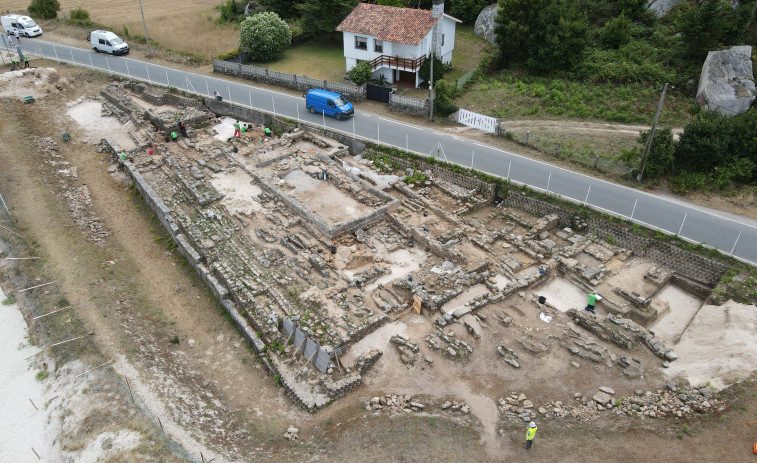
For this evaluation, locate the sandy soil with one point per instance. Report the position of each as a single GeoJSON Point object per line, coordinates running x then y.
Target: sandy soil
{"type": "Point", "coordinates": [211, 393]}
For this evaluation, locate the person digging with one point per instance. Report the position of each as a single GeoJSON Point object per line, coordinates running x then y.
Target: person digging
{"type": "Point", "coordinates": [593, 298]}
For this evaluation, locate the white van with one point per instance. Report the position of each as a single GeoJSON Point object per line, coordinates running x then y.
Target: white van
{"type": "Point", "coordinates": [25, 25]}
{"type": "Point", "coordinates": [108, 42]}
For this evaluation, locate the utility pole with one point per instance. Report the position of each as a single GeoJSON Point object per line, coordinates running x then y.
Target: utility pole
{"type": "Point", "coordinates": [651, 133]}
{"type": "Point", "coordinates": [145, 24]}
{"type": "Point", "coordinates": [431, 83]}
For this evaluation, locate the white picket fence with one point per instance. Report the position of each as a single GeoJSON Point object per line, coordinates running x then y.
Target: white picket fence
{"type": "Point", "coordinates": [477, 121]}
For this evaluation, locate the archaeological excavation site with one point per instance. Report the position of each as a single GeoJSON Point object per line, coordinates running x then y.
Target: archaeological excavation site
{"type": "Point", "coordinates": [341, 264]}
{"type": "Point", "coordinates": [308, 282]}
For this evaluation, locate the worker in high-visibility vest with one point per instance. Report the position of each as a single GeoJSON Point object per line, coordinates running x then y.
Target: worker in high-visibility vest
{"type": "Point", "coordinates": [530, 434]}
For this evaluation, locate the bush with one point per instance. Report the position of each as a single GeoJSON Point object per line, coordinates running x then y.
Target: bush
{"type": "Point", "coordinates": [47, 9]}
{"type": "Point", "coordinates": [660, 159]}
{"type": "Point", "coordinates": [264, 36]}
{"type": "Point", "coordinates": [443, 105]}
{"type": "Point", "coordinates": [361, 73]}
{"type": "Point", "coordinates": [616, 32]}
{"type": "Point", "coordinates": [231, 12]}
{"type": "Point", "coordinates": [80, 16]}
{"type": "Point", "coordinates": [229, 56]}
{"type": "Point", "coordinates": [425, 71]}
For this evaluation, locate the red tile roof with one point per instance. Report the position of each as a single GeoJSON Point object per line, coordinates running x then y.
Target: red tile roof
{"type": "Point", "coordinates": [389, 23]}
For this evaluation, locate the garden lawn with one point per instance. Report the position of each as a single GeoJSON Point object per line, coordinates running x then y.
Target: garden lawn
{"type": "Point", "coordinates": [318, 58]}
{"type": "Point", "coordinates": [468, 52]}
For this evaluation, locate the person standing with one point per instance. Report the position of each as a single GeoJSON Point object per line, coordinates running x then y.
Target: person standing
{"type": "Point", "coordinates": [593, 298]}
{"type": "Point", "coordinates": [237, 130]}
{"type": "Point", "coordinates": [183, 130]}
{"type": "Point", "coordinates": [18, 38]}
{"type": "Point", "coordinates": [530, 434]}
{"type": "Point", "coordinates": [26, 61]}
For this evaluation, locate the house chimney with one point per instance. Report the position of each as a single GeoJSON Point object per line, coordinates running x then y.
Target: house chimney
{"type": "Point", "coordinates": [437, 10]}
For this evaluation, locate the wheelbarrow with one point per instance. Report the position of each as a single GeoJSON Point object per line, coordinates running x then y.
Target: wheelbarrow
{"type": "Point", "coordinates": [66, 136]}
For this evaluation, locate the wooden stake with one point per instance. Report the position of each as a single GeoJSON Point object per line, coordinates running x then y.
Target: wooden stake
{"type": "Point", "coordinates": [95, 368]}
{"type": "Point", "coordinates": [34, 287]}
{"type": "Point", "coordinates": [72, 339]}
{"type": "Point", "coordinates": [50, 313]}
{"type": "Point", "coordinates": [35, 407]}
{"type": "Point", "coordinates": [35, 452]}
{"type": "Point", "coordinates": [161, 426]}
{"type": "Point", "coordinates": [11, 231]}
{"type": "Point", "coordinates": [337, 362]}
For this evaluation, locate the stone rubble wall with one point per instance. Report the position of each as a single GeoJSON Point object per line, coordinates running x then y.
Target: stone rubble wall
{"type": "Point", "coordinates": [693, 266]}
{"type": "Point", "coordinates": [405, 104]}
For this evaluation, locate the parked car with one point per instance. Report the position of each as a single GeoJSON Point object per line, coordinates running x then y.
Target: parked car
{"type": "Point", "coordinates": [25, 25]}
{"type": "Point", "coordinates": [329, 103]}
{"type": "Point", "coordinates": [107, 42]}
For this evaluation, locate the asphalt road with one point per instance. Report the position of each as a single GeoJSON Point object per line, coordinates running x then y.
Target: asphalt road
{"type": "Point", "coordinates": [722, 231]}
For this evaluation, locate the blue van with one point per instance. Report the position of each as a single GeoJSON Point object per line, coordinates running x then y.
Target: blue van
{"type": "Point", "coordinates": [329, 103]}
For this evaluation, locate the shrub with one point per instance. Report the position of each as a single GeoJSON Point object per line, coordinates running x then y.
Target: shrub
{"type": "Point", "coordinates": [230, 55]}
{"type": "Point", "coordinates": [443, 105]}
{"type": "Point", "coordinates": [361, 73]}
{"type": "Point", "coordinates": [47, 9]}
{"type": "Point", "coordinates": [80, 16]}
{"type": "Point", "coordinates": [425, 71]}
{"type": "Point", "coordinates": [616, 32]}
{"type": "Point", "coordinates": [264, 36]}
{"type": "Point", "coordinates": [231, 12]}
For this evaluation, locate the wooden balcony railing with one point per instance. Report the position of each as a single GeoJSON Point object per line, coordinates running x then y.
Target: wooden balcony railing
{"type": "Point", "coordinates": [406, 64]}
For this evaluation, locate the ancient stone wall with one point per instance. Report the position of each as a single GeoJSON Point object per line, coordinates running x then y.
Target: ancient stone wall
{"type": "Point", "coordinates": [696, 267]}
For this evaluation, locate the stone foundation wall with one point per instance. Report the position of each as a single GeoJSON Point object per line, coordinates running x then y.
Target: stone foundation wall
{"type": "Point", "coordinates": [698, 268]}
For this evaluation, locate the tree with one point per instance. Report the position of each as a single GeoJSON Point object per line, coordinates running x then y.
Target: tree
{"type": "Point", "coordinates": [704, 143]}
{"type": "Point", "coordinates": [284, 8]}
{"type": "Point", "coordinates": [558, 40]}
{"type": "Point", "coordinates": [319, 16]}
{"type": "Point", "coordinates": [443, 104]}
{"type": "Point", "coordinates": [705, 27]}
{"type": "Point", "coordinates": [660, 159]}
{"type": "Point", "coordinates": [616, 32]}
{"type": "Point", "coordinates": [425, 70]}
{"type": "Point", "coordinates": [514, 23]}
{"type": "Point", "coordinates": [547, 35]}
{"type": "Point", "coordinates": [264, 36]}
{"type": "Point", "coordinates": [467, 10]}
{"type": "Point", "coordinates": [361, 73]}
{"type": "Point", "coordinates": [47, 9]}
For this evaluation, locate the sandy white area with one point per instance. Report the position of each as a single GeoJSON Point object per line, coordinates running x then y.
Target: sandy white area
{"type": "Point", "coordinates": [404, 262]}
{"type": "Point", "coordinates": [225, 129]}
{"type": "Point", "coordinates": [23, 427]}
{"type": "Point", "coordinates": [379, 339]}
{"type": "Point", "coordinates": [718, 346]}
{"type": "Point", "coordinates": [683, 306]}
{"type": "Point", "coordinates": [241, 194]}
{"type": "Point", "coordinates": [88, 115]}
{"type": "Point", "coordinates": [563, 295]}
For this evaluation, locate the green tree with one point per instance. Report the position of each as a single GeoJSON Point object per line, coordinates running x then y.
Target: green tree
{"type": "Point", "coordinates": [47, 9]}
{"type": "Point", "coordinates": [660, 159]}
{"type": "Point", "coordinates": [264, 36]}
{"type": "Point", "coordinates": [361, 73]}
{"type": "Point", "coordinates": [704, 143]}
{"type": "Point", "coordinates": [704, 28]}
{"type": "Point", "coordinates": [558, 40]}
{"type": "Point", "coordinates": [425, 70]}
{"type": "Point", "coordinates": [467, 10]}
{"type": "Point", "coordinates": [284, 8]}
{"type": "Point", "coordinates": [514, 24]}
{"type": "Point", "coordinates": [616, 32]}
{"type": "Point", "coordinates": [322, 16]}
{"type": "Point", "coordinates": [443, 104]}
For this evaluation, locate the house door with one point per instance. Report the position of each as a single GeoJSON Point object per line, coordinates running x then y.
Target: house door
{"type": "Point", "coordinates": [405, 79]}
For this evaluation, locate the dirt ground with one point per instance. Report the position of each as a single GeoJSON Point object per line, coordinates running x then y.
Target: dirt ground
{"type": "Point", "coordinates": [137, 295]}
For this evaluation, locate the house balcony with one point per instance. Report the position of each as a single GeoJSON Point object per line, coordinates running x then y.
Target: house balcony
{"type": "Point", "coordinates": [395, 62]}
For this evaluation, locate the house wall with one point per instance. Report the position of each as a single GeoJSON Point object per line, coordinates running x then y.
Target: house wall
{"type": "Point", "coordinates": [448, 29]}
{"type": "Point", "coordinates": [353, 54]}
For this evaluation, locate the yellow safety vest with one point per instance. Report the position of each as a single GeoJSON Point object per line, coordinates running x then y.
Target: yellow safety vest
{"type": "Point", "coordinates": [530, 433]}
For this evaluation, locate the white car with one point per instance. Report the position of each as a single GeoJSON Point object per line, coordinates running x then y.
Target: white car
{"type": "Point", "coordinates": [25, 25]}
{"type": "Point", "coordinates": [108, 42]}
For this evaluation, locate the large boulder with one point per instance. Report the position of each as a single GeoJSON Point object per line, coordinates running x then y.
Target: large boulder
{"type": "Point", "coordinates": [726, 84]}
{"type": "Point", "coordinates": [662, 6]}
{"type": "Point", "coordinates": [484, 27]}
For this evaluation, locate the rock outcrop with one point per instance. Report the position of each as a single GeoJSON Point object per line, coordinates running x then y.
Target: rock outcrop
{"type": "Point", "coordinates": [727, 83]}
{"type": "Point", "coordinates": [484, 27]}
{"type": "Point", "coordinates": [662, 6]}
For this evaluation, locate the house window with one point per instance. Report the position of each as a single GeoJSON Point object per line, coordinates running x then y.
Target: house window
{"type": "Point", "coordinates": [442, 39]}
{"type": "Point", "coordinates": [378, 46]}
{"type": "Point", "coordinates": [361, 43]}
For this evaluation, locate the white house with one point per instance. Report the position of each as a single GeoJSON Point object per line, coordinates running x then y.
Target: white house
{"type": "Point", "coordinates": [397, 40]}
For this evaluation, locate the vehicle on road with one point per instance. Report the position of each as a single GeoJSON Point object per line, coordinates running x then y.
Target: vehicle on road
{"type": "Point", "coordinates": [25, 25]}
{"type": "Point", "coordinates": [328, 103]}
{"type": "Point", "coordinates": [107, 42]}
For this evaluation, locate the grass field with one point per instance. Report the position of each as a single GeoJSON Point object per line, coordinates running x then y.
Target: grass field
{"type": "Point", "coordinates": [186, 26]}
{"type": "Point", "coordinates": [320, 59]}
